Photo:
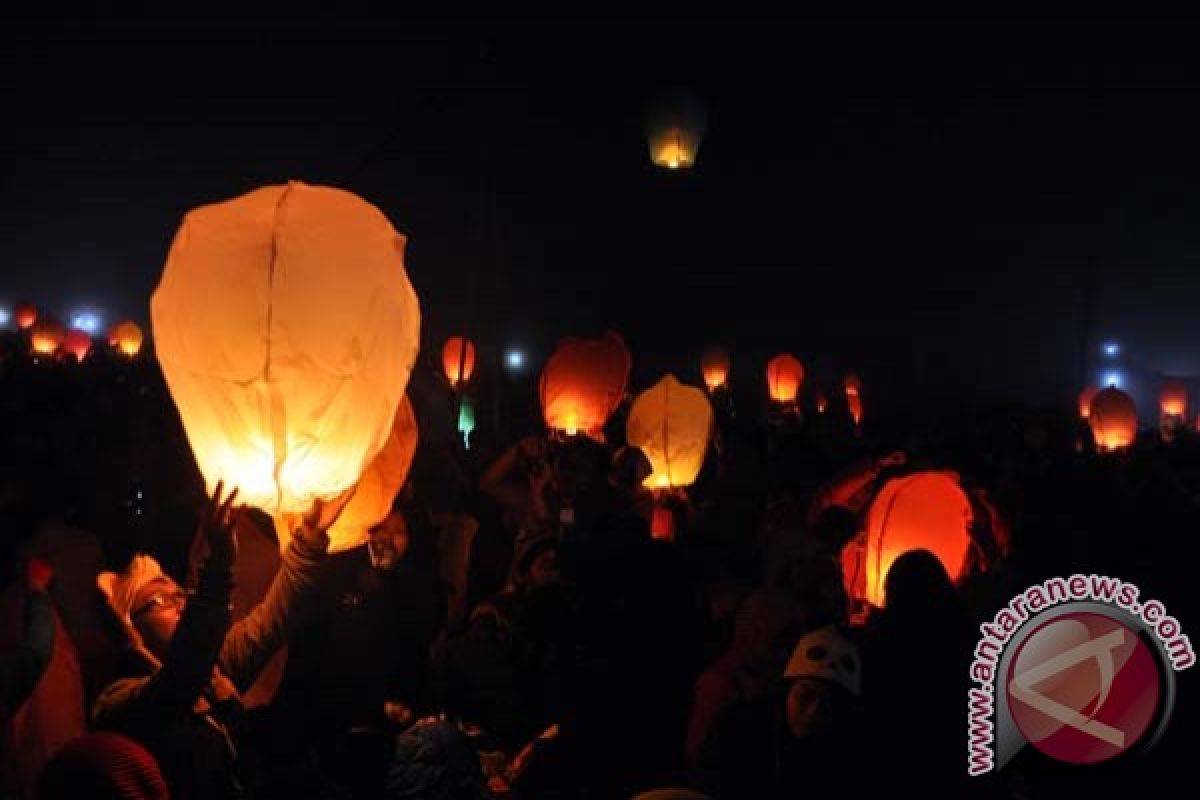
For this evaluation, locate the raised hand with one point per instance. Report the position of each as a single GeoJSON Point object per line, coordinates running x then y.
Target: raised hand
{"type": "Point", "coordinates": [218, 524]}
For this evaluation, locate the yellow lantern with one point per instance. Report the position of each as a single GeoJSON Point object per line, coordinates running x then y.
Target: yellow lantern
{"type": "Point", "coordinates": [785, 374]}
{"type": "Point", "coordinates": [126, 338]}
{"type": "Point", "coordinates": [47, 336]}
{"type": "Point", "coordinates": [674, 129]}
{"type": "Point", "coordinates": [286, 328]}
{"type": "Point", "coordinates": [715, 368]}
{"type": "Point", "coordinates": [671, 423]}
{"type": "Point", "coordinates": [376, 490]}
{"type": "Point", "coordinates": [1113, 419]}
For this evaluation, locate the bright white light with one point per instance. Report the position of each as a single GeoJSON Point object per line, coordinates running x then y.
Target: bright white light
{"type": "Point", "coordinates": [88, 321]}
{"type": "Point", "coordinates": [1112, 349]}
{"type": "Point", "coordinates": [515, 359]}
{"type": "Point", "coordinates": [1113, 379]}
{"type": "Point", "coordinates": [5, 316]}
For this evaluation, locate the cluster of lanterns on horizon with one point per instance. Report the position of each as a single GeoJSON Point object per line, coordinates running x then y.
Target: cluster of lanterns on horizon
{"type": "Point", "coordinates": [49, 338]}
{"type": "Point", "coordinates": [1112, 416]}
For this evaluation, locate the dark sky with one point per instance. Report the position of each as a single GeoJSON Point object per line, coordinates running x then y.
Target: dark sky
{"type": "Point", "coordinates": [933, 204]}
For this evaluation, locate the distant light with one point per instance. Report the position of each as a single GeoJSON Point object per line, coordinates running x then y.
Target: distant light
{"type": "Point", "coordinates": [88, 321]}
{"type": "Point", "coordinates": [1112, 349]}
{"type": "Point", "coordinates": [1113, 379]}
{"type": "Point", "coordinates": [5, 316]}
{"type": "Point", "coordinates": [515, 359]}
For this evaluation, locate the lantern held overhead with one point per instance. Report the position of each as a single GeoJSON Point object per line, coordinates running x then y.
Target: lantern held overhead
{"type": "Point", "coordinates": [671, 424]}
{"type": "Point", "coordinates": [785, 375]}
{"type": "Point", "coordinates": [675, 126]}
{"type": "Point", "coordinates": [458, 360]}
{"type": "Point", "coordinates": [1113, 419]}
{"type": "Point", "coordinates": [286, 328]}
{"type": "Point", "coordinates": [583, 382]}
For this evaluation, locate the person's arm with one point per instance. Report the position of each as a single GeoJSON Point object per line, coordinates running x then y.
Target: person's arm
{"type": "Point", "coordinates": [22, 668]}
{"type": "Point", "coordinates": [253, 641]}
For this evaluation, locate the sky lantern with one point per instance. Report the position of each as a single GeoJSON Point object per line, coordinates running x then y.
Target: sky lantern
{"type": "Point", "coordinates": [1173, 399]}
{"type": "Point", "coordinates": [126, 338]}
{"type": "Point", "coordinates": [77, 343]}
{"type": "Point", "coordinates": [822, 403]}
{"type": "Point", "coordinates": [1085, 401]}
{"type": "Point", "coordinates": [855, 405]}
{"type": "Point", "coordinates": [785, 375]}
{"type": "Point", "coordinates": [583, 382]}
{"type": "Point", "coordinates": [46, 337]}
{"type": "Point", "coordinates": [376, 491]}
{"type": "Point", "coordinates": [1113, 419]}
{"type": "Point", "coordinates": [922, 511]}
{"type": "Point", "coordinates": [852, 385]}
{"type": "Point", "coordinates": [458, 360]}
{"type": "Point", "coordinates": [286, 328]}
{"type": "Point", "coordinates": [675, 127]}
{"type": "Point", "coordinates": [671, 424]}
{"type": "Point", "coordinates": [714, 365]}
{"type": "Point", "coordinates": [25, 316]}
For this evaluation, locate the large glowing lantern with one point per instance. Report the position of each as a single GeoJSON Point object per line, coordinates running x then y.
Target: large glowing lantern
{"type": "Point", "coordinates": [714, 365]}
{"type": "Point", "coordinates": [458, 360]}
{"type": "Point", "coordinates": [46, 337]}
{"type": "Point", "coordinates": [675, 127]}
{"type": "Point", "coordinates": [377, 488]}
{"type": "Point", "coordinates": [1085, 401]}
{"type": "Point", "coordinates": [126, 338]}
{"type": "Point", "coordinates": [583, 383]}
{"type": "Point", "coordinates": [923, 511]}
{"type": "Point", "coordinates": [1173, 399]}
{"type": "Point", "coordinates": [671, 424]}
{"type": "Point", "coordinates": [1113, 419]}
{"type": "Point", "coordinates": [286, 328]}
{"type": "Point", "coordinates": [785, 374]}
{"type": "Point", "coordinates": [77, 343]}
{"type": "Point", "coordinates": [25, 316]}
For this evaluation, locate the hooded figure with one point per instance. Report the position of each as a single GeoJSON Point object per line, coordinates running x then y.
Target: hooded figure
{"type": "Point", "coordinates": [178, 683]}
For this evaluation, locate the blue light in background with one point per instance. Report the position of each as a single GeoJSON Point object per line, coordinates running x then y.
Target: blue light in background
{"type": "Point", "coordinates": [1112, 379]}
{"type": "Point", "coordinates": [515, 359]}
{"type": "Point", "coordinates": [5, 316]}
{"type": "Point", "coordinates": [88, 321]}
{"type": "Point", "coordinates": [1112, 349]}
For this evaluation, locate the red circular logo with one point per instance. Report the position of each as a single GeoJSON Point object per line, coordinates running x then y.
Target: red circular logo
{"type": "Point", "coordinates": [1083, 688]}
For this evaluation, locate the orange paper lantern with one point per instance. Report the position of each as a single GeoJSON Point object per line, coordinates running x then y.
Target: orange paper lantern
{"type": "Point", "coordinates": [47, 337]}
{"type": "Point", "coordinates": [286, 328]}
{"type": "Point", "coordinates": [715, 367]}
{"type": "Point", "coordinates": [583, 382]}
{"type": "Point", "coordinates": [1085, 401]}
{"type": "Point", "coordinates": [25, 316]}
{"type": "Point", "coordinates": [1173, 399]}
{"type": "Point", "coordinates": [77, 343]}
{"type": "Point", "coordinates": [126, 338]}
{"type": "Point", "coordinates": [855, 404]}
{"type": "Point", "coordinates": [458, 360]}
{"type": "Point", "coordinates": [671, 424]}
{"type": "Point", "coordinates": [785, 375]}
{"type": "Point", "coordinates": [923, 511]}
{"type": "Point", "coordinates": [674, 129]}
{"type": "Point", "coordinates": [1113, 419]}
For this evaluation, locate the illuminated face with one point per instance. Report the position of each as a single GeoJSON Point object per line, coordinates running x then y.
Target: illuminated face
{"type": "Point", "coordinates": [157, 609]}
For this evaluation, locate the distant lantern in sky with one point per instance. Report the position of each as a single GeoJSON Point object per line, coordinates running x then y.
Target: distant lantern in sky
{"type": "Point", "coordinates": [77, 343]}
{"type": "Point", "coordinates": [923, 511]}
{"type": "Point", "coordinates": [822, 403]}
{"type": "Point", "coordinates": [583, 382]}
{"type": "Point", "coordinates": [47, 336]}
{"type": "Point", "coordinates": [25, 315]}
{"type": "Point", "coordinates": [714, 365]}
{"type": "Point", "coordinates": [1173, 399]}
{"type": "Point", "coordinates": [286, 328]}
{"type": "Point", "coordinates": [675, 126]}
{"type": "Point", "coordinates": [126, 338]}
{"type": "Point", "coordinates": [1113, 419]}
{"type": "Point", "coordinates": [785, 375]}
{"type": "Point", "coordinates": [1085, 401]}
{"type": "Point", "coordinates": [671, 424]}
{"type": "Point", "coordinates": [458, 360]}
{"type": "Point", "coordinates": [1112, 349]}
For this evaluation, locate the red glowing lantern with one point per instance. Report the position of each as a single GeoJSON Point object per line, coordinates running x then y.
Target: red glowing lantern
{"type": "Point", "coordinates": [715, 368]}
{"type": "Point", "coordinates": [855, 404]}
{"type": "Point", "coordinates": [25, 316]}
{"type": "Point", "coordinates": [1173, 399]}
{"type": "Point", "coordinates": [1085, 401]}
{"type": "Point", "coordinates": [458, 360]}
{"type": "Point", "coordinates": [47, 337]}
{"type": "Point", "coordinates": [785, 375]}
{"type": "Point", "coordinates": [1113, 419]}
{"type": "Point", "coordinates": [852, 384]}
{"type": "Point", "coordinates": [77, 343]}
{"type": "Point", "coordinates": [583, 382]}
{"type": "Point", "coordinates": [923, 511]}
{"type": "Point", "coordinates": [822, 403]}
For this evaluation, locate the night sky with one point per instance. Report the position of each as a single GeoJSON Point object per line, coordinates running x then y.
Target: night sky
{"type": "Point", "coordinates": [938, 206]}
